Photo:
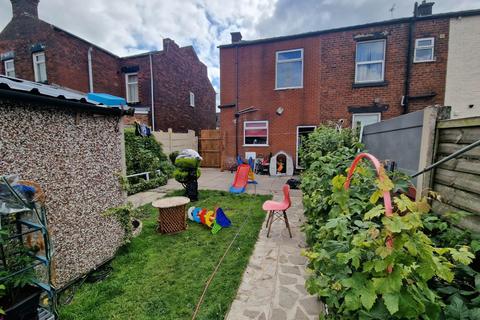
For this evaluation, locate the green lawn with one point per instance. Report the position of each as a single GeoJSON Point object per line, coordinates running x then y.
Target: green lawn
{"type": "Point", "coordinates": [162, 276]}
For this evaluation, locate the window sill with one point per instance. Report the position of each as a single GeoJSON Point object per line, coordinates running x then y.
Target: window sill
{"type": "Point", "coordinates": [289, 88]}
{"type": "Point", "coordinates": [255, 145]}
{"type": "Point", "coordinates": [369, 84]}
{"type": "Point", "coordinates": [425, 61]}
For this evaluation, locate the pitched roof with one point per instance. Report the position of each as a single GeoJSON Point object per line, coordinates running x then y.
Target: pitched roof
{"type": "Point", "coordinates": [347, 28]}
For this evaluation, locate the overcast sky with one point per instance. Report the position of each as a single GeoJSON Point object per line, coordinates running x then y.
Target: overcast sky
{"type": "Point", "coordinates": [131, 26]}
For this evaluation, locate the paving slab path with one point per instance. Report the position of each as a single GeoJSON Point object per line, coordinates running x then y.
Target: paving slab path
{"type": "Point", "coordinates": [273, 285]}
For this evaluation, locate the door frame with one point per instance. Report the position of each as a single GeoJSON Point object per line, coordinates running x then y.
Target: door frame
{"type": "Point", "coordinates": [296, 143]}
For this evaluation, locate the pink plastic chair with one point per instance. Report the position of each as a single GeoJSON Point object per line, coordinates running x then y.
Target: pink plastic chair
{"type": "Point", "coordinates": [278, 210]}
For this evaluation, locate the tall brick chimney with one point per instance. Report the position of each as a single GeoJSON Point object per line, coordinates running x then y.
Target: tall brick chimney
{"type": "Point", "coordinates": [169, 44]}
{"type": "Point", "coordinates": [236, 37]}
{"type": "Point", "coordinates": [424, 9]}
{"type": "Point", "coordinates": [26, 8]}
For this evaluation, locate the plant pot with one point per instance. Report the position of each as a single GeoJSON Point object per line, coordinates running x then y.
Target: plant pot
{"type": "Point", "coordinates": [25, 306]}
{"type": "Point", "coordinates": [137, 226]}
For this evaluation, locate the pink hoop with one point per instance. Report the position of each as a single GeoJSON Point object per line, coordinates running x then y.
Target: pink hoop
{"type": "Point", "coordinates": [387, 200]}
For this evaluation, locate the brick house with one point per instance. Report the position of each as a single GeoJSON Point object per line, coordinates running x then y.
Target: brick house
{"type": "Point", "coordinates": [173, 82]}
{"type": "Point", "coordinates": [275, 90]}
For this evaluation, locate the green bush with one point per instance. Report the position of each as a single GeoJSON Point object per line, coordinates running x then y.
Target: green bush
{"type": "Point", "coordinates": [144, 154]}
{"type": "Point", "coordinates": [347, 232]}
{"type": "Point", "coordinates": [173, 156]}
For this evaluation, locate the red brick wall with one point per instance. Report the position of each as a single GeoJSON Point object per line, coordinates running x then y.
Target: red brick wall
{"type": "Point", "coordinates": [177, 71]}
{"type": "Point", "coordinates": [65, 55]}
{"type": "Point", "coordinates": [329, 72]}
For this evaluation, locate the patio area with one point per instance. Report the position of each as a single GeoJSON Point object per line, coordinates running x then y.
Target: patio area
{"type": "Point", "coordinates": [273, 285]}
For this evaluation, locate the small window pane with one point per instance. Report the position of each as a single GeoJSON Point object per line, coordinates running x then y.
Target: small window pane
{"type": "Point", "coordinates": [255, 140]}
{"type": "Point", "coordinates": [424, 54]}
{"type": "Point", "coordinates": [365, 119]}
{"type": "Point", "coordinates": [369, 72]}
{"type": "Point", "coordinates": [132, 78]}
{"type": "Point", "coordinates": [9, 64]}
{"type": "Point", "coordinates": [424, 42]}
{"type": "Point", "coordinates": [370, 51]}
{"type": "Point", "coordinates": [289, 74]}
{"type": "Point", "coordinates": [40, 58]}
{"type": "Point", "coordinates": [282, 56]}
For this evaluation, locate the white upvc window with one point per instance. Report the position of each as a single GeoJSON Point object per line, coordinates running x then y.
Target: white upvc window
{"type": "Point", "coordinates": [255, 133]}
{"type": "Point", "coordinates": [424, 50]}
{"type": "Point", "coordinates": [9, 68]}
{"type": "Point", "coordinates": [289, 69]}
{"type": "Point", "coordinates": [192, 99]}
{"type": "Point", "coordinates": [370, 61]}
{"type": "Point", "coordinates": [39, 67]}
{"type": "Point", "coordinates": [131, 81]}
{"type": "Point", "coordinates": [364, 119]}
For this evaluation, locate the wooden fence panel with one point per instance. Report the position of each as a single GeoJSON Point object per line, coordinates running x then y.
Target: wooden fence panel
{"type": "Point", "coordinates": [458, 180]}
{"type": "Point", "coordinates": [172, 141]}
{"type": "Point", "coordinates": [211, 148]}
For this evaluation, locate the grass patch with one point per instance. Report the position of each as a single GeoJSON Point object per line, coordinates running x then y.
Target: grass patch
{"type": "Point", "coordinates": [162, 276]}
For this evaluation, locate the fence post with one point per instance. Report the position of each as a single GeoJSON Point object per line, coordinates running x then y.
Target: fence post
{"type": "Point", "coordinates": [170, 133]}
{"type": "Point", "coordinates": [427, 145]}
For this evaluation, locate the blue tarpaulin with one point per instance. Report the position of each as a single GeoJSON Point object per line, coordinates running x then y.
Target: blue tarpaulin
{"type": "Point", "coordinates": [106, 99]}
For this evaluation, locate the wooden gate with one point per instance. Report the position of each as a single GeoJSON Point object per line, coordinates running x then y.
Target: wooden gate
{"type": "Point", "coordinates": [210, 148]}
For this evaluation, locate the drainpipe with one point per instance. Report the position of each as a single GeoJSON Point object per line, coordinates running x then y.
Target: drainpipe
{"type": "Point", "coordinates": [237, 116]}
{"type": "Point", "coordinates": [90, 72]}
{"type": "Point", "coordinates": [152, 97]}
{"type": "Point", "coordinates": [408, 61]}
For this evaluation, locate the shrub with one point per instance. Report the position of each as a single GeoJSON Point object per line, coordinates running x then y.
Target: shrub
{"type": "Point", "coordinates": [173, 156]}
{"type": "Point", "coordinates": [144, 154]}
{"type": "Point", "coordinates": [347, 232]}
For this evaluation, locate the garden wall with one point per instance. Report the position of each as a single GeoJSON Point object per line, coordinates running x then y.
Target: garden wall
{"type": "Point", "coordinates": [77, 158]}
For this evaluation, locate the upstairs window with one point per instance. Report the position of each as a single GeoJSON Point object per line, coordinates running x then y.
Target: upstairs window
{"type": "Point", "coordinates": [289, 69]}
{"type": "Point", "coordinates": [370, 61]}
{"type": "Point", "coordinates": [255, 133]}
{"type": "Point", "coordinates": [9, 68]}
{"type": "Point", "coordinates": [39, 67]}
{"type": "Point", "coordinates": [131, 80]}
{"type": "Point", "coordinates": [424, 49]}
{"type": "Point", "coordinates": [192, 99]}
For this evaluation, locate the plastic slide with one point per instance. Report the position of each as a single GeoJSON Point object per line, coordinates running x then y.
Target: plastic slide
{"type": "Point", "coordinates": [241, 179]}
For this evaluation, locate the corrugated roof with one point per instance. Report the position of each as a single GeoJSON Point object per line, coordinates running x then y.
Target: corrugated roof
{"type": "Point", "coordinates": [61, 94]}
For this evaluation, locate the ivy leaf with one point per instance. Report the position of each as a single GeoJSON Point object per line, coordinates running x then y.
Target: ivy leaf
{"type": "Point", "coordinates": [368, 296]}
{"type": "Point", "coordinates": [391, 301]}
{"type": "Point", "coordinates": [351, 301]}
{"type": "Point", "coordinates": [374, 212]}
{"type": "Point", "coordinates": [426, 271]}
{"type": "Point", "coordinates": [389, 284]}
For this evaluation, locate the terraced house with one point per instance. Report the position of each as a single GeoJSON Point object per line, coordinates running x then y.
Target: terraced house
{"type": "Point", "coordinates": [168, 88]}
{"type": "Point", "coordinates": [276, 90]}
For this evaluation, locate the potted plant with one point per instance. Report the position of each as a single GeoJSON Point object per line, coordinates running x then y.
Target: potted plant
{"type": "Point", "coordinates": [20, 297]}
{"type": "Point", "coordinates": [187, 172]}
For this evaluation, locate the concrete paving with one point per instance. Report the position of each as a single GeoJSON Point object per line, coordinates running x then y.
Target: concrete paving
{"type": "Point", "coordinates": [273, 285]}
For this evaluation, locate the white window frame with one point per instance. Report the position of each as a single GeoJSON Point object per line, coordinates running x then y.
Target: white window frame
{"type": "Point", "coordinates": [379, 114]}
{"type": "Point", "coordinates": [371, 62]}
{"type": "Point", "coordinates": [192, 99]}
{"type": "Point", "coordinates": [288, 61]}
{"type": "Point", "coordinates": [127, 95]}
{"type": "Point", "coordinates": [35, 66]}
{"type": "Point", "coordinates": [7, 70]}
{"type": "Point", "coordinates": [432, 47]}
{"type": "Point", "coordinates": [256, 145]}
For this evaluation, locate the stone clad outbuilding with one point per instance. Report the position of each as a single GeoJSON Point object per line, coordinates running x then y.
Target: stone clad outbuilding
{"type": "Point", "coordinates": [75, 151]}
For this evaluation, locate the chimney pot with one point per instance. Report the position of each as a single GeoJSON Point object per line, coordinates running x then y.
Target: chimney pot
{"type": "Point", "coordinates": [424, 9]}
{"type": "Point", "coordinates": [26, 8]}
{"type": "Point", "coordinates": [236, 37]}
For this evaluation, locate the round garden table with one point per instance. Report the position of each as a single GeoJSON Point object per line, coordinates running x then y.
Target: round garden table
{"type": "Point", "coordinates": [172, 216]}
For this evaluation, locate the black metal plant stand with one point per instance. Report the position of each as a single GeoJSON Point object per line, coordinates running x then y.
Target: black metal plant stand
{"type": "Point", "coordinates": [29, 219]}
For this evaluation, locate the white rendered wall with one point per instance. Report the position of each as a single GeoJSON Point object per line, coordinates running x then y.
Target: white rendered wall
{"type": "Point", "coordinates": [463, 67]}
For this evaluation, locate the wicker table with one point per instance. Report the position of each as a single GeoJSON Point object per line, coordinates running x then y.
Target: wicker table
{"type": "Point", "coordinates": [172, 217]}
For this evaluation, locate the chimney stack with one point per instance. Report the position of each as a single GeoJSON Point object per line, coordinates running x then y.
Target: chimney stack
{"type": "Point", "coordinates": [169, 44]}
{"type": "Point", "coordinates": [25, 8]}
{"type": "Point", "coordinates": [424, 9]}
{"type": "Point", "coordinates": [236, 37]}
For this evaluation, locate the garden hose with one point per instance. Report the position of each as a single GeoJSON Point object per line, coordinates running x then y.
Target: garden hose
{"type": "Point", "coordinates": [200, 301]}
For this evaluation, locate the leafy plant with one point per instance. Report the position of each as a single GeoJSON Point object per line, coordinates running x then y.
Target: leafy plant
{"type": "Point", "coordinates": [144, 154]}
{"type": "Point", "coordinates": [124, 215]}
{"type": "Point", "coordinates": [351, 260]}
